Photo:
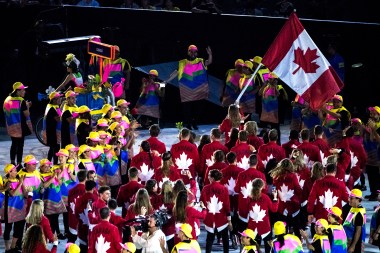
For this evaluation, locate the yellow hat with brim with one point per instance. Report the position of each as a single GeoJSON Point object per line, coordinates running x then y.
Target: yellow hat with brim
{"type": "Point", "coordinates": [94, 136]}
{"type": "Point", "coordinates": [322, 223]}
{"type": "Point", "coordinates": [153, 72]}
{"type": "Point", "coordinates": [9, 167]}
{"type": "Point", "coordinates": [63, 152]}
{"type": "Point", "coordinates": [122, 102]}
{"type": "Point", "coordinates": [45, 161]}
{"type": "Point", "coordinates": [338, 97]}
{"type": "Point", "coordinates": [19, 86]}
{"type": "Point", "coordinates": [129, 247]}
{"type": "Point", "coordinates": [116, 115]}
{"type": "Point", "coordinates": [83, 148]}
{"type": "Point", "coordinates": [192, 48]}
{"type": "Point", "coordinates": [357, 120]}
{"type": "Point", "coordinates": [249, 233]}
{"type": "Point", "coordinates": [113, 126]}
{"type": "Point", "coordinates": [72, 248]}
{"type": "Point", "coordinates": [70, 93]}
{"type": "Point", "coordinates": [83, 109]}
{"type": "Point", "coordinates": [256, 59]}
{"type": "Point", "coordinates": [30, 159]}
{"type": "Point", "coordinates": [279, 228]}
{"type": "Point", "coordinates": [248, 64]}
{"type": "Point", "coordinates": [107, 147]}
{"type": "Point", "coordinates": [375, 109]}
{"type": "Point", "coordinates": [102, 123]}
{"type": "Point", "coordinates": [54, 95]}
{"type": "Point", "coordinates": [104, 134]}
{"type": "Point", "coordinates": [336, 211]}
{"type": "Point", "coordinates": [106, 108]}
{"type": "Point", "coordinates": [356, 193]}
{"type": "Point", "coordinates": [71, 147]}
{"type": "Point", "coordinates": [239, 62]}
{"type": "Point", "coordinates": [186, 229]}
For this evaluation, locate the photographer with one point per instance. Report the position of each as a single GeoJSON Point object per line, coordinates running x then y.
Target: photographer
{"type": "Point", "coordinates": [152, 241]}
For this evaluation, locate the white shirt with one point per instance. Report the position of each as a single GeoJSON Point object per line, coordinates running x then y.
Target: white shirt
{"type": "Point", "coordinates": [149, 243]}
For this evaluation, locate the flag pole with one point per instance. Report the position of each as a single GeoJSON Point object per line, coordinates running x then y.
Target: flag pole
{"type": "Point", "coordinates": [246, 86]}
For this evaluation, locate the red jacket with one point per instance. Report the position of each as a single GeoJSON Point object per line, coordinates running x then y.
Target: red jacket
{"type": "Point", "coordinates": [73, 195]}
{"type": "Point", "coordinates": [356, 150]}
{"type": "Point", "coordinates": [81, 213]}
{"type": "Point", "coordinates": [225, 127]}
{"type": "Point", "coordinates": [126, 194]}
{"type": "Point", "coordinates": [146, 165]}
{"type": "Point", "coordinates": [289, 146]}
{"type": "Point", "coordinates": [216, 199]}
{"type": "Point", "coordinates": [215, 166]}
{"type": "Point", "coordinates": [269, 151]}
{"type": "Point", "coordinates": [105, 237]}
{"type": "Point", "coordinates": [289, 194]}
{"type": "Point", "coordinates": [306, 190]}
{"type": "Point", "coordinates": [310, 152]}
{"type": "Point", "coordinates": [41, 248]}
{"type": "Point", "coordinates": [193, 217]}
{"type": "Point", "coordinates": [169, 228]}
{"type": "Point", "coordinates": [344, 160]}
{"type": "Point", "coordinates": [230, 174]}
{"type": "Point", "coordinates": [98, 204]}
{"type": "Point", "coordinates": [242, 151]}
{"type": "Point", "coordinates": [118, 221]}
{"type": "Point", "coordinates": [46, 229]}
{"type": "Point", "coordinates": [323, 146]}
{"type": "Point", "coordinates": [259, 214]}
{"type": "Point", "coordinates": [156, 144]}
{"type": "Point", "coordinates": [255, 141]}
{"type": "Point", "coordinates": [155, 200]}
{"type": "Point", "coordinates": [185, 156]}
{"type": "Point", "coordinates": [244, 187]}
{"type": "Point", "coordinates": [161, 178]}
{"type": "Point", "coordinates": [207, 153]}
{"type": "Point", "coordinates": [326, 193]}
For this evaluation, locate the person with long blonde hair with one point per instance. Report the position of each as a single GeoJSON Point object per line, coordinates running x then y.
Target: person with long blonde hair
{"type": "Point", "coordinates": [36, 217]}
{"type": "Point", "coordinates": [34, 241]}
{"type": "Point", "coordinates": [232, 120]}
{"type": "Point", "coordinates": [167, 171]}
{"type": "Point", "coordinates": [167, 199]}
{"type": "Point", "coordinates": [141, 206]}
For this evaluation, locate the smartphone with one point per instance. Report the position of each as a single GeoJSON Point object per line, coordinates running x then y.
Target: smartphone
{"type": "Point", "coordinates": [183, 172]}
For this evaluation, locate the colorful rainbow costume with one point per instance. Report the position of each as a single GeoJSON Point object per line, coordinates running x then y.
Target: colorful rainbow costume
{"type": "Point", "coordinates": [270, 105]}
{"type": "Point", "coordinates": [58, 127]}
{"type": "Point", "coordinates": [16, 203]}
{"type": "Point", "coordinates": [149, 102]}
{"type": "Point", "coordinates": [52, 195]}
{"type": "Point", "coordinates": [349, 223]}
{"type": "Point", "coordinates": [291, 244]}
{"type": "Point", "coordinates": [113, 70]}
{"type": "Point", "coordinates": [248, 99]}
{"type": "Point", "coordinates": [192, 79]}
{"type": "Point", "coordinates": [112, 173]}
{"type": "Point", "coordinates": [67, 183]}
{"type": "Point", "coordinates": [32, 179]}
{"type": "Point", "coordinates": [232, 88]}
{"type": "Point", "coordinates": [325, 243]}
{"type": "Point", "coordinates": [339, 243]}
{"type": "Point", "coordinates": [12, 112]}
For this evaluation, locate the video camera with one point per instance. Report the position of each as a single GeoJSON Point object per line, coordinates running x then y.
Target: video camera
{"type": "Point", "coordinates": [141, 223]}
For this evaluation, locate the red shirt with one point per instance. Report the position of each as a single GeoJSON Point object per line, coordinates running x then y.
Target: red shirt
{"type": "Point", "coordinates": [326, 193]}
{"type": "Point", "coordinates": [259, 214]}
{"type": "Point", "coordinates": [94, 215]}
{"type": "Point", "coordinates": [243, 151]}
{"type": "Point", "coordinates": [310, 152]}
{"type": "Point", "coordinates": [41, 248]}
{"type": "Point", "coordinates": [244, 187]}
{"type": "Point", "coordinates": [230, 174]}
{"type": "Point", "coordinates": [73, 195]}
{"type": "Point", "coordinates": [126, 194]}
{"type": "Point", "coordinates": [105, 237]}
{"type": "Point", "coordinates": [255, 141]}
{"type": "Point", "coordinates": [215, 166]}
{"type": "Point", "coordinates": [46, 229]}
{"type": "Point", "coordinates": [146, 165]}
{"type": "Point", "coordinates": [207, 153]}
{"type": "Point", "coordinates": [225, 127]}
{"type": "Point", "coordinates": [193, 217]}
{"type": "Point", "coordinates": [289, 146]}
{"type": "Point", "coordinates": [185, 156]}
{"type": "Point", "coordinates": [289, 194]}
{"type": "Point", "coordinates": [323, 146]}
{"type": "Point", "coordinates": [161, 178]}
{"type": "Point", "coordinates": [118, 221]}
{"type": "Point", "coordinates": [356, 150]}
{"type": "Point", "coordinates": [81, 213]}
{"type": "Point", "coordinates": [155, 200]}
{"type": "Point", "coordinates": [268, 151]}
{"type": "Point", "coordinates": [344, 160]}
{"type": "Point", "coordinates": [156, 144]}
{"type": "Point", "coordinates": [216, 199]}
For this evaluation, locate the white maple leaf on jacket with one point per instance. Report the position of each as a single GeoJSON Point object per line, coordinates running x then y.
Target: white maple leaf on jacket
{"type": "Point", "coordinates": [164, 179]}
{"type": "Point", "coordinates": [145, 172]}
{"type": "Point", "coordinates": [328, 199]}
{"type": "Point", "coordinates": [324, 159]}
{"type": "Point", "coordinates": [102, 245]}
{"type": "Point", "coordinates": [209, 162]}
{"type": "Point", "coordinates": [309, 163]}
{"type": "Point", "coordinates": [230, 186]}
{"type": "Point", "coordinates": [243, 163]}
{"type": "Point", "coordinates": [256, 213]}
{"type": "Point", "coordinates": [285, 194]}
{"type": "Point", "coordinates": [354, 159]}
{"type": "Point", "coordinates": [300, 181]}
{"type": "Point", "coordinates": [265, 161]}
{"type": "Point", "coordinates": [84, 217]}
{"type": "Point", "coordinates": [214, 205]}
{"type": "Point", "coordinates": [246, 191]}
{"type": "Point", "coordinates": [182, 162]}
{"type": "Point", "coordinates": [72, 205]}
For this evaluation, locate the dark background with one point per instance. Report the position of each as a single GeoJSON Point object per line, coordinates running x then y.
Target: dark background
{"type": "Point", "coordinates": [152, 37]}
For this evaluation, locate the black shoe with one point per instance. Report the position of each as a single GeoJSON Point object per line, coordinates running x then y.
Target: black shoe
{"type": "Point", "coordinates": [61, 236]}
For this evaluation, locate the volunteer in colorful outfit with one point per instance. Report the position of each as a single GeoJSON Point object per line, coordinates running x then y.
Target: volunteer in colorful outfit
{"type": "Point", "coordinates": [83, 125]}
{"type": "Point", "coordinates": [247, 239]}
{"type": "Point", "coordinates": [85, 162]}
{"type": "Point", "coordinates": [128, 247]}
{"type": "Point", "coordinates": [148, 103]}
{"type": "Point", "coordinates": [68, 118]}
{"type": "Point", "coordinates": [72, 160]}
{"type": "Point", "coordinates": [282, 241]}
{"type": "Point", "coordinates": [335, 231]}
{"type": "Point", "coordinates": [17, 120]}
{"type": "Point", "coordinates": [248, 99]}
{"type": "Point", "coordinates": [107, 110]}
{"type": "Point", "coordinates": [354, 223]}
{"type": "Point", "coordinates": [73, 77]}
{"type": "Point", "coordinates": [14, 206]}
{"type": "Point", "coordinates": [32, 177]}
{"type": "Point", "coordinates": [187, 243]}
{"type": "Point", "coordinates": [231, 87]}
{"type": "Point", "coordinates": [320, 243]}
{"type": "Point", "coordinates": [193, 84]}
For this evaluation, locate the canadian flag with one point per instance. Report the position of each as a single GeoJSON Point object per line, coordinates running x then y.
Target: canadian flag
{"type": "Point", "coordinates": [297, 61]}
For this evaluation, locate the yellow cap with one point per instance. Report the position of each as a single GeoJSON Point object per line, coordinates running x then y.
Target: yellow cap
{"type": "Point", "coordinates": [106, 108]}
{"type": "Point", "coordinates": [279, 228]}
{"type": "Point", "coordinates": [102, 122]}
{"type": "Point", "coordinates": [30, 159]}
{"type": "Point", "coordinates": [335, 211]}
{"type": "Point", "coordinates": [192, 48]}
{"type": "Point", "coordinates": [18, 86]}
{"type": "Point", "coordinates": [72, 248]}
{"type": "Point", "coordinates": [107, 147]}
{"type": "Point", "coordinates": [116, 115]}
{"type": "Point", "coordinates": [239, 62]}
{"type": "Point", "coordinates": [63, 152]}
{"type": "Point", "coordinates": [9, 167]}
{"type": "Point", "coordinates": [248, 64]}
{"type": "Point", "coordinates": [249, 233]}
{"type": "Point", "coordinates": [375, 109]}
{"type": "Point", "coordinates": [186, 229]}
{"type": "Point", "coordinates": [153, 72]}
{"type": "Point", "coordinates": [257, 59]}
{"type": "Point", "coordinates": [129, 247]}
{"type": "Point", "coordinates": [322, 223]}
{"type": "Point", "coordinates": [71, 147]}
{"type": "Point", "coordinates": [70, 93]}
{"type": "Point", "coordinates": [83, 109]}
{"type": "Point", "coordinates": [338, 97]}
{"type": "Point", "coordinates": [94, 136]}
{"type": "Point", "coordinates": [113, 126]}
{"type": "Point", "coordinates": [122, 102]}
{"type": "Point", "coordinates": [45, 161]}
{"type": "Point", "coordinates": [83, 148]}
{"type": "Point", "coordinates": [356, 193]}
{"type": "Point", "coordinates": [54, 95]}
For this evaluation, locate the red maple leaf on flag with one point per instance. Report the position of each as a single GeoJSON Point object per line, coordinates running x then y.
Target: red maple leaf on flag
{"type": "Point", "coordinates": [305, 61]}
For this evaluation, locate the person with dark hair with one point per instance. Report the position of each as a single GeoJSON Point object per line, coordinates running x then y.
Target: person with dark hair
{"type": "Point", "coordinates": [283, 240]}
{"type": "Point", "coordinates": [82, 205]}
{"type": "Point", "coordinates": [155, 143]}
{"type": "Point", "coordinates": [320, 141]}
{"type": "Point", "coordinates": [203, 140]}
{"type": "Point", "coordinates": [321, 242]}
{"type": "Point", "coordinates": [218, 217]}
{"type": "Point", "coordinates": [193, 137]}
{"type": "Point", "coordinates": [83, 124]}
{"type": "Point", "coordinates": [167, 171]}
{"type": "Point", "coordinates": [335, 231]}
{"type": "Point", "coordinates": [292, 143]}
{"type": "Point", "coordinates": [155, 199]}
{"type": "Point", "coordinates": [74, 193]}
{"type": "Point", "coordinates": [233, 120]}
{"type": "Point", "coordinates": [186, 157]}
{"type": "Point", "coordinates": [126, 193]}
{"type": "Point", "coordinates": [94, 209]}
{"type": "Point", "coordinates": [68, 119]}
{"type": "Point", "coordinates": [17, 120]}
{"type": "Point", "coordinates": [252, 131]}
{"type": "Point", "coordinates": [105, 236]}
{"type": "Point", "coordinates": [73, 76]}
{"type": "Point", "coordinates": [243, 150]}
{"type": "Point", "coordinates": [116, 219]}
{"type": "Point", "coordinates": [207, 152]}
{"type": "Point", "coordinates": [247, 240]}
{"type": "Point", "coordinates": [271, 149]}
{"type": "Point", "coordinates": [146, 162]}
{"type": "Point", "coordinates": [217, 163]}
{"type": "Point", "coordinates": [231, 88]}
{"type": "Point", "coordinates": [34, 241]}
{"type": "Point", "coordinates": [234, 135]}
{"type": "Point", "coordinates": [311, 152]}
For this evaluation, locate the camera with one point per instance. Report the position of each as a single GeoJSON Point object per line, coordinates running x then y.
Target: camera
{"type": "Point", "coordinates": [183, 172]}
{"type": "Point", "coordinates": [140, 224]}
